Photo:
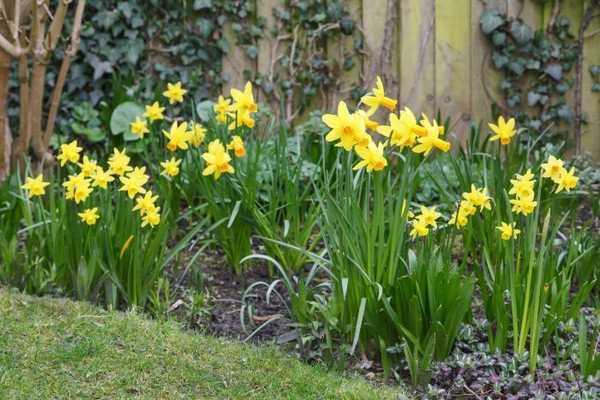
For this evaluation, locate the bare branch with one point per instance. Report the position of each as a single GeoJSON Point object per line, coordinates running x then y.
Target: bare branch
{"type": "Point", "coordinates": [64, 69]}
{"type": "Point", "coordinates": [57, 23]}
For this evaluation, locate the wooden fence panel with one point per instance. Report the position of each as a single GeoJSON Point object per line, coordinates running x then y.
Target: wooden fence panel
{"type": "Point", "coordinates": [591, 100]}
{"type": "Point", "coordinates": [417, 55]}
{"type": "Point", "coordinates": [432, 56]}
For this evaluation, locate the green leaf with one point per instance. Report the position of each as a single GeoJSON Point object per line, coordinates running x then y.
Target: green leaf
{"type": "Point", "coordinates": [122, 117]}
{"type": "Point", "coordinates": [521, 32]}
{"type": "Point", "coordinates": [204, 110]}
{"type": "Point", "coordinates": [491, 20]}
{"type": "Point", "coordinates": [554, 71]}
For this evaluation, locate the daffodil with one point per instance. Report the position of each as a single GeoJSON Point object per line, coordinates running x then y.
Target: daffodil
{"type": "Point", "coordinates": [237, 145]}
{"type": "Point", "coordinates": [377, 98]}
{"type": "Point", "coordinates": [429, 216]}
{"type": "Point", "coordinates": [508, 231]}
{"type": "Point", "coordinates": [372, 157]}
{"type": "Point", "coordinates": [35, 186]}
{"type": "Point", "coordinates": [119, 162]}
{"type": "Point", "coordinates": [146, 204]}
{"type": "Point", "coordinates": [88, 167]}
{"type": "Point", "coordinates": [78, 188]}
{"type": "Point", "coordinates": [369, 123]}
{"type": "Point", "coordinates": [170, 167]}
{"type": "Point", "coordinates": [431, 139]}
{"type": "Point", "coordinates": [89, 216]}
{"type": "Point", "coordinates": [151, 218]}
{"type": "Point", "coordinates": [348, 128]}
{"type": "Point", "coordinates": [174, 93]}
{"type": "Point", "coordinates": [523, 206]}
{"type": "Point", "coordinates": [134, 181]}
{"type": "Point", "coordinates": [139, 127]}
{"type": "Point", "coordinates": [478, 198]}
{"type": "Point", "coordinates": [504, 130]}
{"type": "Point", "coordinates": [459, 218]}
{"type": "Point", "coordinates": [178, 136]}
{"type": "Point", "coordinates": [553, 169]}
{"type": "Point", "coordinates": [568, 181]}
{"type": "Point", "coordinates": [242, 108]}
{"type": "Point", "coordinates": [221, 108]}
{"type": "Point", "coordinates": [101, 178]}
{"type": "Point", "coordinates": [522, 186]}
{"type": "Point", "coordinates": [154, 112]}
{"type": "Point", "coordinates": [419, 228]}
{"type": "Point", "coordinates": [217, 160]}
{"type": "Point", "coordinates": [69, 153]}
{"type": "Point", "coordinates": [402, 131]}
{"type": "Point", "coordinates": [196, 134]}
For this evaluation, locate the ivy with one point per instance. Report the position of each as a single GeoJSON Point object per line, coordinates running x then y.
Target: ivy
{"type": "Point", "coordinates": [537, 68]}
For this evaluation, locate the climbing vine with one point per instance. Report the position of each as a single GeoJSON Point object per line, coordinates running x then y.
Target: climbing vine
{"type": "Point", "coordinates": [537, 69]}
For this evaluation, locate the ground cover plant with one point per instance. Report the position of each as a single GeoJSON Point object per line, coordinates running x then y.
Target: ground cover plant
{"type": "Point", "coordinates": [382, 241]}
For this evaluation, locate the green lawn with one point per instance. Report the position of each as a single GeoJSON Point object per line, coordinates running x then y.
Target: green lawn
{"type": "Point", "coordinates": [59, 349]}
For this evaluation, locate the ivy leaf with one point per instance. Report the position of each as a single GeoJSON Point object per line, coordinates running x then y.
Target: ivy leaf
{"type": "Point", "coordinates": [521, 32]}
{"type": "Point", "coordinates": [204, 110]}
{"type": "Point", "coordinates": [554, 71]}
{"type": "Point", "coordinates": [517, 67]}
{"type": "Point", "coordinates": [102, 68]}
{"type": "Point", "coordinates": [533, 98]}
{"type": "Point", "coordinates": [499, 38]}
{"type": "Point", "coordinates": [202, 4]}
{"type": "Point", "coordinates": [122, 117]}
{"type": "Point", "coordinates": [491, 20]}
{"type": "Point", "coordinates": [499, 59]}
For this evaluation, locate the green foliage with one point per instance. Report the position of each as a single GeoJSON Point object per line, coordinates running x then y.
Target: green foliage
{"type": "Point", "coordinates": [537, 70]}
{"type": "Point", "coordinates": [122, 117]}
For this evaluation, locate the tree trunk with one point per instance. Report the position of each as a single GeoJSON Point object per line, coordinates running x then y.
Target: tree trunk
{"type": "Point", "coordinates": [5, 135]}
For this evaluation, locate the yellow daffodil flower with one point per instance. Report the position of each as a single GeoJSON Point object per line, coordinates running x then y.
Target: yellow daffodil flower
{"type": "Point", "coordinates": [508, 231]}
{"type": "Point", "coordinates": [553, 169]}
{"type": "Point", "coordinates": [237, 145]}
{"type": "Point", "coordinates": [348, 128]}
{"type": "Point", "coordinates": [478, 198]}
{"type": "Point", "coordinates": [78, 188]}
{"type": "Point", "coordinates": [139, 127]}
{"type": "Point", "coordinates": [69, 153]}
{"type": "Point", "coordinates": [402, 131]}
{"type": "Point", "coordinates": [119, 162]}
{"type": "Point", "coordinates": [522, 186]}
{"type": "Point", "coordinates": [378, 98]}
{"type": "Point", "coordinates": [88, 167]}
{"type": "Point", "coordinates": [523, 206]}
{"type": "Point", "coordinates": [372, 157]}
{"type": "Point", "coordinates": [568, 181]}
{"type": "Point", "coordinates": [101, 178]}
{"type": "Point", "coordinates": [503, 131]}
{"type": "Point", "coordinates": [221, 108]}
{"type": "Point", "coordinates": [146, 204]}
{"type": "Point", "coordinates": [154, 112]}
{"type": "Point", "coordinates": [35, 186]}
{"type": "Point", "coordinates": [429, 216]}
{"type": "Point", "coordinates": [196, 134]}
{"type": "Point", "coordinates": [170, 167]}
{"type": "Point", "coordinates": [217, 160]}
{"type": "Point", "coordinates": [134, 181]}
{"type": "Point", "coordinates": [89, 216]}
{"type": "Point", "coordinates": [431, 139]}
{"type": "Point", "coordinates": [419, 228]}
{"type": "Point", "coordinates": [174, 93]}
{"type": "Point", "coordinates": [151, 218]}
{"type": "Point", "coordinates": [178, 136]}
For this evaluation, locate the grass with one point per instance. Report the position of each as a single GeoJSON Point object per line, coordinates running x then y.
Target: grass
{"type": "Point", "coordinates": [53, 348]}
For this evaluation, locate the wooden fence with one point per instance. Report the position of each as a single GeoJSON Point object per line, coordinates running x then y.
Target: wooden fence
{"type": "Point", "coordinates": [437, 57]}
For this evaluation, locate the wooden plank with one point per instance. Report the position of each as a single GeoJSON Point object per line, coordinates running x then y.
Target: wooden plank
{"type": "Point", "coordinates": [417, 50]}
{"type": "Point", "coordinates": [380, 29]}
{"type": "Point", "coordinates": [338, 49]}
{"type": "Point", "coordinates": [485, 88]}
{"type": "Point", "coordinates": [452, 63]}
{"type": "Point", "coordinates": [265, 62]}
{"type": "Point", "coordinates": [235, 61]}
{"type": "Point", "coordinates": [591, 100]}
